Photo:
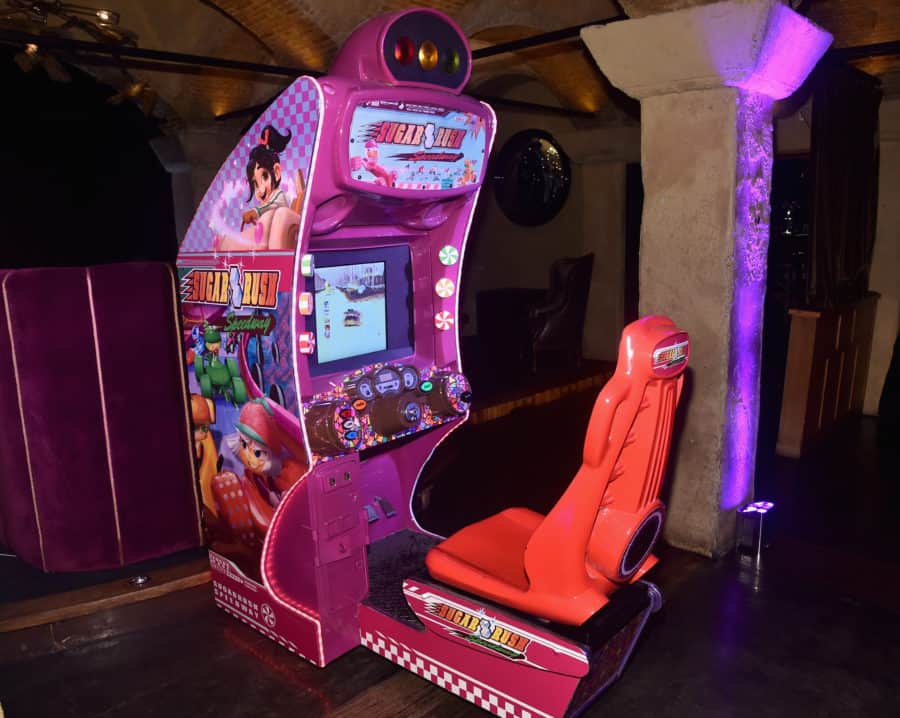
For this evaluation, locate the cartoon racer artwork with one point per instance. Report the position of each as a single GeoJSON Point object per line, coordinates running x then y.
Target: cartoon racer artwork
{"type": "Point", "coordinates": [218, 378]}
{"type": "Point", "coordinates": [352, 317]}
{"type": "Point", "coordinates": [369, 163]}
{"type": "Point", "coordinates": [271, 461]}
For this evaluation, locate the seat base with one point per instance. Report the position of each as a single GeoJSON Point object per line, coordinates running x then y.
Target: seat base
{"type": "Point", "coordinates": [487, 559]}
{"type": "Point", "coordinates": [566, 667]}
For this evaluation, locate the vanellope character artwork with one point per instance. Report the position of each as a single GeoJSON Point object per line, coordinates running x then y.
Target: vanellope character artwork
{"type": "Point", "coordinates": [264, 174]}
{"type": "Point", "coordinates": [369, 162]}
{"type": "Point", "coordinates": [273, 223]}
{"type": "Point", "coordinates": [273, 462]}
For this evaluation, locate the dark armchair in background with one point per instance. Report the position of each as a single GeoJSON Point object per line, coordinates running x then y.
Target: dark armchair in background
{"type": "Point", "coordinates": [557, 322]}
{"type": "Point", "coordinates": [517, 326]}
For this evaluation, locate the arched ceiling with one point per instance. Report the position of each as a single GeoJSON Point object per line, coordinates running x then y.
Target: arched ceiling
{"type": "Point", "coordinates": [307, 34]}
{"type": "Point", "coordinates": [315, 30]}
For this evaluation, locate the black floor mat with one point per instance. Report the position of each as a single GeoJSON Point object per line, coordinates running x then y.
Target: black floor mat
{"type": "Point", "coordinates": [391, 560]}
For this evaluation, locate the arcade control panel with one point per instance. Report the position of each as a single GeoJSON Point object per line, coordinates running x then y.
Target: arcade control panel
{"type": "Point", "coordinates": [383, 402]}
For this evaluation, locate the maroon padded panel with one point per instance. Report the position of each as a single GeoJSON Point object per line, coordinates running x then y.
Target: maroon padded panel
{"type": "Point", "coordinates": [136, 307]}
{"type": "Point", "coordinates": [52, 341]}
{"type": "Point", "coordinates": [18, 531]}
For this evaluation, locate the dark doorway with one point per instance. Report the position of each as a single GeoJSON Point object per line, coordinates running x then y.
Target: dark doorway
{"type": "Point", "coordinates": [786, 286]}
{"type": "Point", "coordinates": [81, 183]}
{"type": "Point", "coordinates": [634, 207]}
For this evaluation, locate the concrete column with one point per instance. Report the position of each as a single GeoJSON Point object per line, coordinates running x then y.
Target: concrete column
{"type": "Point", "coordinates": [706, 77]}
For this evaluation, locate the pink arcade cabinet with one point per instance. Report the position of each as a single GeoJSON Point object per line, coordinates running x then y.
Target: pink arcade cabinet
{"type": "Point", "coordinates": [319, 284]}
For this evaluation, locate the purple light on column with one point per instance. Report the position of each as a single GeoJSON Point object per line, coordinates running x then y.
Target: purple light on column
{"type": "Point", "coordinates": [792, 47]}
{"type": "Point", "coordinates": [781, 54]}
{"type": "Point", "coordinates": [751, 244]}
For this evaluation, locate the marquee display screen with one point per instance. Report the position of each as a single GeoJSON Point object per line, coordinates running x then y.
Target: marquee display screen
{"type": "Point", "coordinates": [415, 146]}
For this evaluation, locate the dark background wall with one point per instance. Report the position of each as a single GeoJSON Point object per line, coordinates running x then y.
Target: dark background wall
{"type": "Point", "coordinates": [81, 184]}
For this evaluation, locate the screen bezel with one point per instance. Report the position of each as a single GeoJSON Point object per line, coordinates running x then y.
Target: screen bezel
{"type": "Point", "coordinates": [398, 304]}
{"type": "Point", "coordinates": [454, 103]}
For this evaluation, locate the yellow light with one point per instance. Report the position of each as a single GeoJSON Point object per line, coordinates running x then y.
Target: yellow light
{"type": "Point", "coordinates": [31, 49]}
{"type": "Point", "coordinates": [428, 55]}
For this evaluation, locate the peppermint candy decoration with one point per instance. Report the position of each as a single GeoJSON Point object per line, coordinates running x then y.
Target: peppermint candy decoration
{"type": "Point", "coordinates": [448, 255]}
{"type": "Point", "coordinates": [443, 320]}
{"type": "Point", "coordinates": [268, 615]}
{"type": "Point", "coordinates": [444, 288]}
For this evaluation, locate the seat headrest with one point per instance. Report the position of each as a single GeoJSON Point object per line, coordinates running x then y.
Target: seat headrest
{"type": "Point", "coordinates": [653, 347]}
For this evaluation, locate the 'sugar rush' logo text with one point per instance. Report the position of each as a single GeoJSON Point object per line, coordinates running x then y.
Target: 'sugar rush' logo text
{"type": "Point", "coordinates": [482, 630]}
{"type": "Point", "coordinates": [231, 287]}
{"type": "Point", "coordinates": [402, 133]}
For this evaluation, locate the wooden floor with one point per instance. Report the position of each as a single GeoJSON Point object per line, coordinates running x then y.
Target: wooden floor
{"type": "Point", "coordinates": [814, 630]}
{"type": "Point", "coordinates": [17, 615]}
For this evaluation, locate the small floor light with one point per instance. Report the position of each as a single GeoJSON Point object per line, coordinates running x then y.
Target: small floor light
{"type": "Point", "coordinates": [754, 529]}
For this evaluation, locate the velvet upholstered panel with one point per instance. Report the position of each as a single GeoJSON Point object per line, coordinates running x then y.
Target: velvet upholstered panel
{"type": "Point", "coordinates": [14, 490]}
{"type": "Point", "coordinates": [16, 499]}
{"type": "Point", "coordinates": [99, 391]}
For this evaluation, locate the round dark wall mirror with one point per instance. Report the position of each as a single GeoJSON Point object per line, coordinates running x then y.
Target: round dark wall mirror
{"type": "Point", "coordinates": [531, 178]}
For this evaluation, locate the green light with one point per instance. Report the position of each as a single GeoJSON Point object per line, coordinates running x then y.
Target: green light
{"type": "Point", "coordinates": [426, 386]}
{"type": "Point", "coordinates": [452, 61]}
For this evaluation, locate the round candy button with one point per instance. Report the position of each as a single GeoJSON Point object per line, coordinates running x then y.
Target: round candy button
{"type": "Point", "coordinates": [448, 255]}
{"type": "Point", "coordinates": [444, 288]}
{"type": "Point", "coordinates": [443, 320]}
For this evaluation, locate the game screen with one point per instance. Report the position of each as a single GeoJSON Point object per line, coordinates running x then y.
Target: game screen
{"type": "Point", "coordinates": [350, 310]}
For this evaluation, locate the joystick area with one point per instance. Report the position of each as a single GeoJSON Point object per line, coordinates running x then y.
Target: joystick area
{"type": "Point", "coordinates": [383, 402]}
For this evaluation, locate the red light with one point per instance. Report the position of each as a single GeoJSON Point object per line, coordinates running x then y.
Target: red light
{"type": "Point", "coordinates": [404, 50]}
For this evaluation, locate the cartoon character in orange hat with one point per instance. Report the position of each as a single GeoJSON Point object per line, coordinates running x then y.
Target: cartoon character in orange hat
{"type": "Point", "coordinates": [203, 415]}
{"type": "Point", "coordinates": [273, 462]}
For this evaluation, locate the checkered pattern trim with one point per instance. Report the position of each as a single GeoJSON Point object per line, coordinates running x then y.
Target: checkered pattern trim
{"type": "Point", "coordinates": [297, 110]}
{"type": "Point", "coordinates": [418, 185]}
{"type": "Point", "coordinates": [480, 694]}
{"type": "Point", "coordinates": [254, 615]}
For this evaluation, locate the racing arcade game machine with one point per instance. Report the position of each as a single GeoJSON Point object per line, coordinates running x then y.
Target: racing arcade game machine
{"type": "Point", "coordinates": [319, 284]}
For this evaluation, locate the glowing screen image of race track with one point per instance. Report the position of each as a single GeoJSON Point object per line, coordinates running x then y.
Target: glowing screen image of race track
{"type": "Point", "coordinates": [351, 313]}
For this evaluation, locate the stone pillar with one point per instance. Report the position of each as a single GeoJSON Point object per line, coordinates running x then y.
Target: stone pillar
{"type": "Point", "coordinates": [171, 156]}
{"type": "Point", "coordinates": [706, 77]}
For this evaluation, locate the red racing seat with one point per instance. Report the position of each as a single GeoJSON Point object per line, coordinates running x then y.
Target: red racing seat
{"type": "Point", "coordinates": [565, 565]}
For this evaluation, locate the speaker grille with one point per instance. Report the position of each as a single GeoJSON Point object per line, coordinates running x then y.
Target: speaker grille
{"type": "Point", "coordinates": [641, 544]}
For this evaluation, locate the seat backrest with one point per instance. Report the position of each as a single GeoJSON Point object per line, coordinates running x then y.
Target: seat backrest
{"type": "Point", "coordinates": [625, 451]}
